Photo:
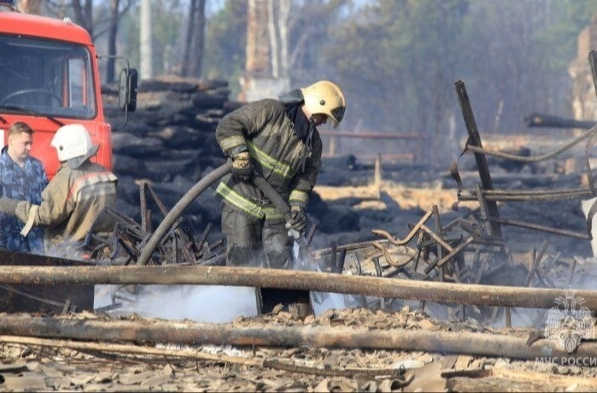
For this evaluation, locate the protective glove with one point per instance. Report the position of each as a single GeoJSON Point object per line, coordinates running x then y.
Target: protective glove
{"type": "Point", "coordinates": [298, 218]}
{"type": "Point", "coordinates": [242, 167]}
{"type": "Point", "coordinates": [8, 205]}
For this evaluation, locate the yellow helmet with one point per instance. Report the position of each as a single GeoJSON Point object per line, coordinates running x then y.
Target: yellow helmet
{"type": "Point", "coordinates": [324, 97]}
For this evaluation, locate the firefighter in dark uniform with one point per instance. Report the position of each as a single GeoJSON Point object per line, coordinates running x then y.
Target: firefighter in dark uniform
{"type": "Point", "coordinates": [276, 139]}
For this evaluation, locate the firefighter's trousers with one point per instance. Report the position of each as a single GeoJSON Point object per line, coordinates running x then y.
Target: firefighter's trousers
{"type": "Point", "coordinates": [252, 243]}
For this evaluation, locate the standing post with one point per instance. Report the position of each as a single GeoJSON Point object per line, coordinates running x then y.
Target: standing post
{"type": "Point", "coordinates": [475, 140]}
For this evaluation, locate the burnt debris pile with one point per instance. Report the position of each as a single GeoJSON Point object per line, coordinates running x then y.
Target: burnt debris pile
{"type": "Point", "coordinates": [168, 144]}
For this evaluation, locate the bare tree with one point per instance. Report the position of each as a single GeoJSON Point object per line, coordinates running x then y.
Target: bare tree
{"type": "Point", "coordinates": [258, 44]}
{"type": "Point", "coordinates": [199, 41]}
{"type": "Point", "coordinates": [267, 38]}
{"type": "Point", "coordinates": [30, 6]}
{"type": "Point", "coordinates": [283, 21]}
{"type": "Point", "coordinates": [273, 39]}
{"type": "Point", "coordinates": [188, 42]}
{"type": "Point", "coordinates": [84, 14]}
{"type": "Point", "coordinates": [115, 14]}
{"type": "Point", "coordinates": [192, 56]}
{"type": "Point", "coordinates": [112, 34]}
{"type": "Point", "coordinates": [278, 18]}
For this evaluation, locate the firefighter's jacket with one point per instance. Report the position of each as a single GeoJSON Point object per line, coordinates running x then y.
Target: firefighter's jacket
{"type": "Point", "coordinates": [288, 162]}
{"type": "Point", "coordinates": [71, 203]}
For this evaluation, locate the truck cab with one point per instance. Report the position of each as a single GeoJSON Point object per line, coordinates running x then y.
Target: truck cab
{"type": "Point", "coordinates": [48, 78]}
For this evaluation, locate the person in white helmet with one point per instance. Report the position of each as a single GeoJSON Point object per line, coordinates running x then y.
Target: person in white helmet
{"type": "Point", "coordinates": [276, 139]}
{"type": "Point", "coordinates": [73, 199]}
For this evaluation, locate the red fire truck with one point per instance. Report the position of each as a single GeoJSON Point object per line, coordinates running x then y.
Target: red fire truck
{"type": "Point", "coordinates": [49, 77]}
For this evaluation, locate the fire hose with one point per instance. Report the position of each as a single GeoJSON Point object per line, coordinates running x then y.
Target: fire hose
{"type": "Point", "coordinates": [202, 185]}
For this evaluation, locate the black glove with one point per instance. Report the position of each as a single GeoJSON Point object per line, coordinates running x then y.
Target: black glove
{"type": "Point", "coordinates": [242, 167]}
{"type": "Point", "coordinates": [298, 218]}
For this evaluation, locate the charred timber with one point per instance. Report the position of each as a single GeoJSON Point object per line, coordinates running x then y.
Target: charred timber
{"type": "Point", "coordinates": [439, 292]}
{"type": "Point", "coordinates": [196, 333]}
{"type": "Point", "coordinates": [541, 120]}
{"type": "Point", "coordinates": [489, 208]}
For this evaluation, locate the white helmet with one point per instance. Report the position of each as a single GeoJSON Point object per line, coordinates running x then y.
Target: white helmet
{"type": "Point", "coordinates": [324, 97]}
{"type": "Point", "coordinates": [73, 144]}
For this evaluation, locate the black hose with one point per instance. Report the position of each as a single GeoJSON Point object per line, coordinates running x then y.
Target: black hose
{"type": "Point", "coordinates": [157, 236]}
{"type": "Point", "coordinates": [203, 184]}
{"type": "Point", "coordinates": [272, 195]}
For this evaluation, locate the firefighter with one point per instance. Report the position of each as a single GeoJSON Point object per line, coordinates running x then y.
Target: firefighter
{"type": "Point", "coordinates": [73, 199]}
{"type": "Point", "coordinates": [276, 139]}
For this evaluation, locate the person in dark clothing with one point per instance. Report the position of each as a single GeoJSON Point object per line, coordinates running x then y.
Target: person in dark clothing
{"type": "Point", "coordinates": [278, 140]}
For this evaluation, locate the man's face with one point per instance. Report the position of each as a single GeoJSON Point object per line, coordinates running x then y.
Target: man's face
{"type": "Point", "coordinates": [19, 146]}
{"type": "Point", "coordinates": [319, 119]}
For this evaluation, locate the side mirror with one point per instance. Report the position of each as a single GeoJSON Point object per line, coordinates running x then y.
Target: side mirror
{"type": "Point", "coordinates": [127, 92]}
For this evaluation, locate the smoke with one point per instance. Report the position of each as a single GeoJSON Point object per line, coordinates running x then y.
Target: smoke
{"type": "Point", "coordinates": [323, 301]}
{"type": "Point", "coordinates": [66, 250]}
{"type": "Point", "coordinates": [200, 303]}
{"type": "Point", "coordinates": [206, 303]}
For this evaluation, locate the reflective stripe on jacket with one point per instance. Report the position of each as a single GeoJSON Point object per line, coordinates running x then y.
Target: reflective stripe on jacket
{"type": "Point", "coordinates": [71, 203]}
{"type": "Point", "coordinates": [277, 155]}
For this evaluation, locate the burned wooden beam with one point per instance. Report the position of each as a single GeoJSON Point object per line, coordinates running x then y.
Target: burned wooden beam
{"type": "Point", "coordinates": [196, 333]}
{"type": "Point", "coordinates": [475, 139]}
{"type": "Point", "coordinates": [440, 292]}
{"type": "Point", "coordinates": [551, 121]}
{"type": "Point", "coordinates": [190, 353]}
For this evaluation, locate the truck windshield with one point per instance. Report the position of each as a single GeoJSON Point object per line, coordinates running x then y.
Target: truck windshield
{"type": "Point", "coordinates": [46, 77]}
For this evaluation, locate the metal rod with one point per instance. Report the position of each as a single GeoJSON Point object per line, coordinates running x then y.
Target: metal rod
{"type": "Point", "coordinates": [556, 231]}
{"type": "Point", "coordinates": [452, 254]}
{"type": "Point", "coordinates": [143, 205]}
{"type": "Point", "coordinates": [581, 191]}
{"type": "Point", "coordinates": [408, 238]}
{"type": "Point", "coordinates": [437, 239]}
{"type": "Point", "coordinates": [535, 197]}
{"type": "Point", "coordinates": [536, 262]}
{"type": "Point", "coordinates": [369, 135]}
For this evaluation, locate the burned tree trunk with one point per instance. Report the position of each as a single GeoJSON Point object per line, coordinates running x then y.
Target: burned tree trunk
{"type": "Point", "coordinates": [258, 49]}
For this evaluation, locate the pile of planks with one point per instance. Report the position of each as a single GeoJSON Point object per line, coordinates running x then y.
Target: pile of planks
{"type": "Point", "coordinates": [168, 141]}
